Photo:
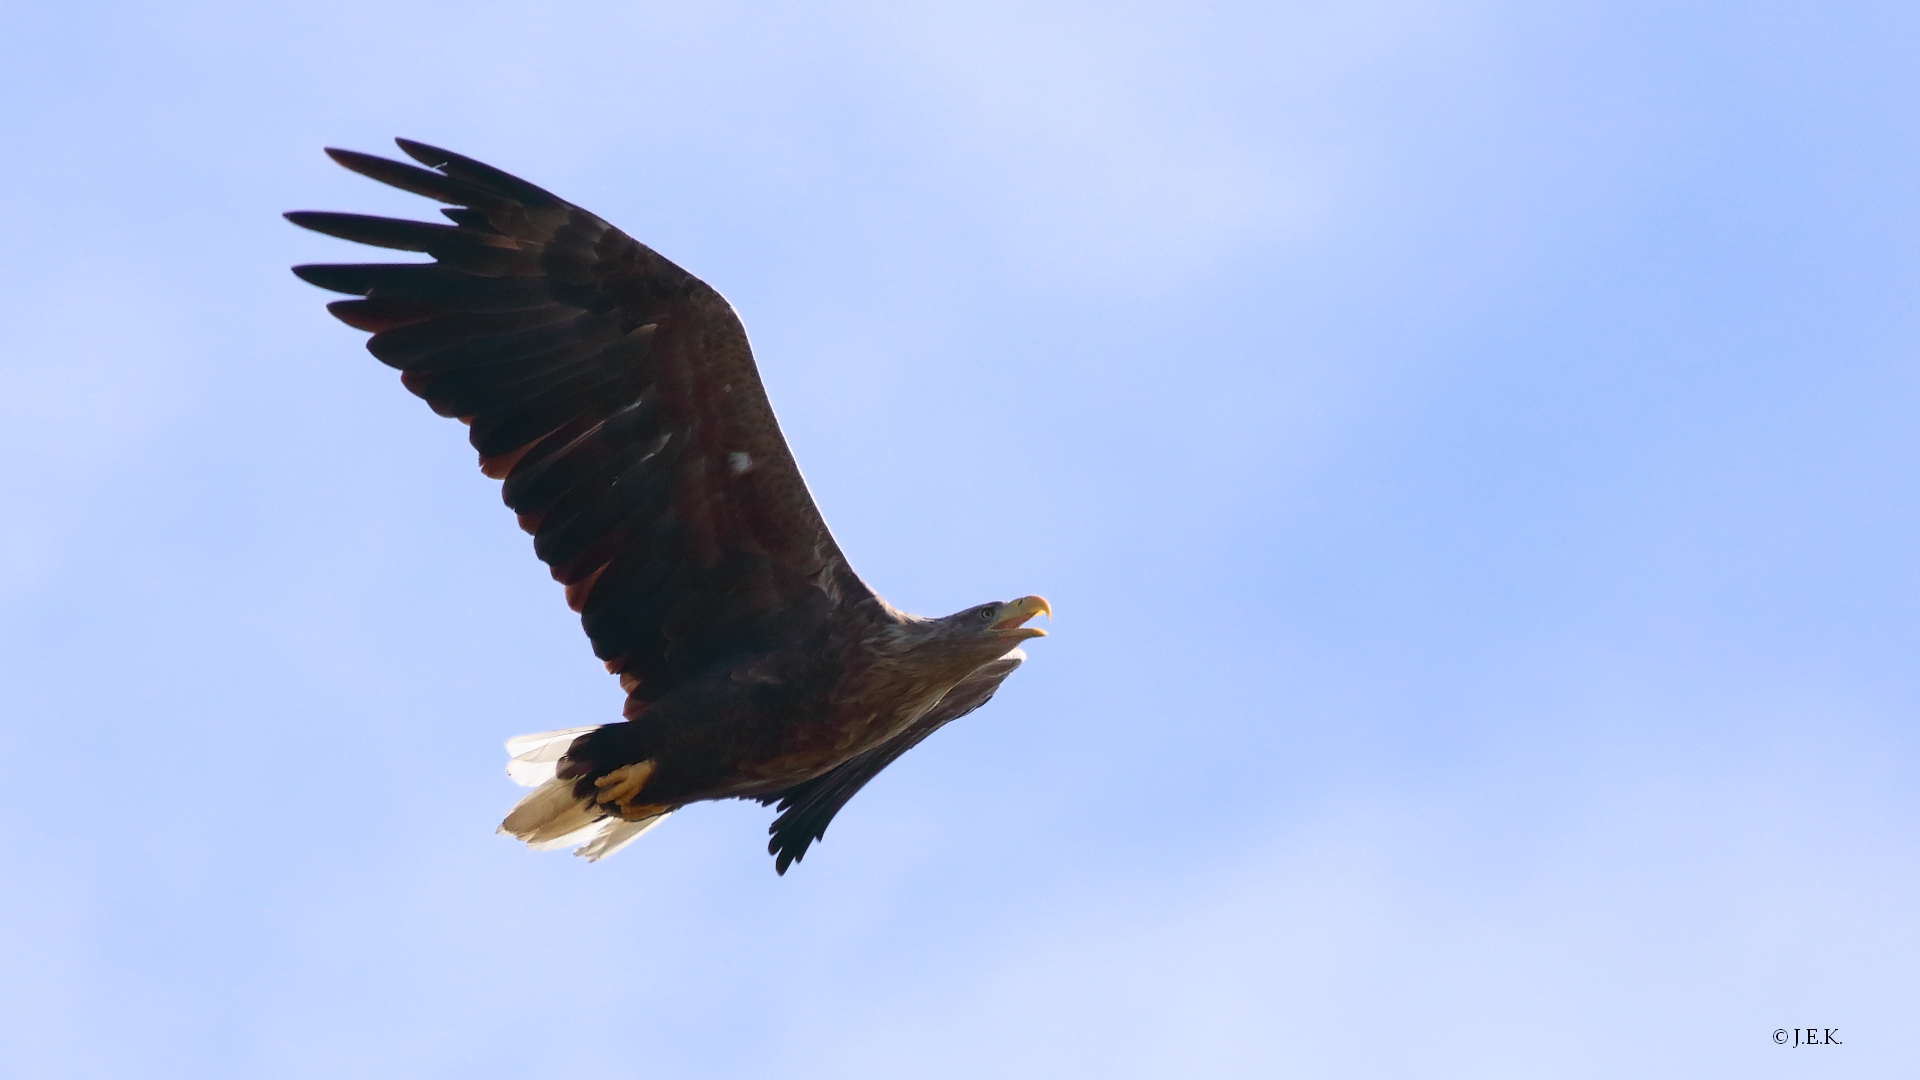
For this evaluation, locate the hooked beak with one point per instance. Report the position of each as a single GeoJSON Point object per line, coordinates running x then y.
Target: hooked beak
{"type": "Point", "coordinates": [1019, 611]}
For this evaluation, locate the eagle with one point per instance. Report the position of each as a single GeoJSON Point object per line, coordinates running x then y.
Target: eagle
{"type": "Point", "coordinates": [615, 396]}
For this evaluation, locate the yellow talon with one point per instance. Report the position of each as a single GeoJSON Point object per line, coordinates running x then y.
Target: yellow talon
{"type": "Point", "coordinates": [622, 784]}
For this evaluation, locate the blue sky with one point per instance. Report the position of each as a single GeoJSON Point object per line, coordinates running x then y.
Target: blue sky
{"type": "Point", "coordinates": [1469, 448]}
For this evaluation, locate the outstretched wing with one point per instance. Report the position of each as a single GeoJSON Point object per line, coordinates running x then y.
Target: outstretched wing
{"type": "Point", "coordinates": [617, 397]}
{"type": "Point", "coordinates": [809, 807]}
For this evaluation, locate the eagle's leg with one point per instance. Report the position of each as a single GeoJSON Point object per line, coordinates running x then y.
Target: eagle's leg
{"type": "Point", "coordinates": [621, 785]}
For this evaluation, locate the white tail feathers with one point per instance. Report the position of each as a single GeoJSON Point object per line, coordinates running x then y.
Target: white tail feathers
{"type": "Point", "coordinates": [616, 835]}
{"type": "Point", "coordinates": [549, 813]}
{"type": "Point", "coordinates": [535, 757]}
{"type": "Point", "coordinates": [549, 816]}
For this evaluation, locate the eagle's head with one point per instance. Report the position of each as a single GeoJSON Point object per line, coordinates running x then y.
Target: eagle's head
{"type": "Point", "coordinates": [941, 650]}
{"type": "Point", "coordinates": [990, 630]}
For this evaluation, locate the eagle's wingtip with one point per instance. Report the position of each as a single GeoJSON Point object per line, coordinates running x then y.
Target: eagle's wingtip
{"type": "Point", "coordinates": [431, 156]}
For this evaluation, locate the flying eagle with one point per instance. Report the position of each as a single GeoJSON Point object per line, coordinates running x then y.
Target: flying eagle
{"type": "Point", "coordinates": [615, 395]}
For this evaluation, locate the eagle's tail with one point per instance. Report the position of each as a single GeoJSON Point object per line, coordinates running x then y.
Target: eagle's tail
{"type": "Point", "coordinates": [551, 816]}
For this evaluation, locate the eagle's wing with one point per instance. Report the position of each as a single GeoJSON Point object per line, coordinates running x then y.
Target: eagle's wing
{"type": "Point", "coordinates": [617, 397]}
{"type": "Point", "coordinates": [808, 808]}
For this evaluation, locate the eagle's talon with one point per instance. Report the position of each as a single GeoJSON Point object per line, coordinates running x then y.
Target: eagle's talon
{"type": "Point", "coordinates": [622, 784]}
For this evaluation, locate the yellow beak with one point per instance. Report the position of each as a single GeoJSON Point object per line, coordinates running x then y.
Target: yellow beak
{"type": "Point", "coordinates": [1019, 611]}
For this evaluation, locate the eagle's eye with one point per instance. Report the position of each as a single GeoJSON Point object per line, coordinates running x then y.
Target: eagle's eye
{"type": "Point", "coordinates": [986, 613]}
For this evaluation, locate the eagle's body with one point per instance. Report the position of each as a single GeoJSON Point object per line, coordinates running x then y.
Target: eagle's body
{"type": "Point", "coordinates": [616, 396]}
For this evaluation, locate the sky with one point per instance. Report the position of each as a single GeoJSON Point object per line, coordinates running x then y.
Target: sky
{"type": "Point", "coordinates": [1469, 448]}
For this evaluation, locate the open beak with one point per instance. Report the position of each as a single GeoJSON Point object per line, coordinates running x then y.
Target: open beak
{"type": "Point", "coordinates": [1018, 612]}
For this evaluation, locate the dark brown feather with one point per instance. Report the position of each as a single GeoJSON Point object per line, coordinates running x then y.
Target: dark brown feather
{"type": "Point", "coordinates": [419, 181]}
{"type": "Point", "coordinates": [505, 185]}
{"type": "Point", "coordinates": [383, 232]}
{"type": "Point", "coordinates": [383, 314]}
